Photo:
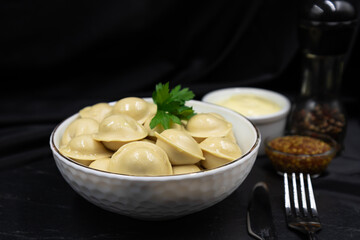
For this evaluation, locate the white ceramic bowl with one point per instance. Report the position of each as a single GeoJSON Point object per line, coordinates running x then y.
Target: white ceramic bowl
{"type": "Point", "coordinates": [162, 197]}
{"type": "Point", "coordinates": [270, 125]}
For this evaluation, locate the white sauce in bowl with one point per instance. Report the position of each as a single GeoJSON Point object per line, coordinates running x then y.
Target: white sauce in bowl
{"type": "Point", "coordinates": [250, 105]}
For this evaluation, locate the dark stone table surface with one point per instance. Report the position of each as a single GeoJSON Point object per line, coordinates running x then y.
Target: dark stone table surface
{"type": "Point", "coordinates": [37, 203]}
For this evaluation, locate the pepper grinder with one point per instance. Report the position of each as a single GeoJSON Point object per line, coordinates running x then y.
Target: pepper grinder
{"type": "Point", "coordinates": [326, 30]}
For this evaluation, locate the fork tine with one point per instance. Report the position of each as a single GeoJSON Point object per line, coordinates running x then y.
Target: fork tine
{"type": "Point", "coordinates": [295, 195]}
{"type": "Point", "coordinates": [311, 197]}
{"type": "Point", "coordinates": [303, 195]}
{"type": "Point", "coordinates": [287, 195]}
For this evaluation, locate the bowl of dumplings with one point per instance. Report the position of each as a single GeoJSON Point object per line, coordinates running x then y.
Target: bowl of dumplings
{"type": "Point", "coordinates": [110, 156]}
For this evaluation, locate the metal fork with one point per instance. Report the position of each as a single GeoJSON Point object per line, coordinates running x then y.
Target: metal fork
{"type": "Point", "coordinates": [298, 215]}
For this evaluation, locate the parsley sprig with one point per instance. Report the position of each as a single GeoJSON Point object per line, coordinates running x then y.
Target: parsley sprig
{"type": "Point", "coordinates": [171, 105]}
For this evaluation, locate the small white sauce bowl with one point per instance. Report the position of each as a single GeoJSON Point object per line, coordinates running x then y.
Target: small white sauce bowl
{"type": "Point", "coordinates": [162, 197]}
{"type": "Point", "coordinates": [270, 125]}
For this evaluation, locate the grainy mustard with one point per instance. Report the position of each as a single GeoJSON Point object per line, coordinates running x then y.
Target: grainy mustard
{"type": "Point", "coordinates": [299, 154]}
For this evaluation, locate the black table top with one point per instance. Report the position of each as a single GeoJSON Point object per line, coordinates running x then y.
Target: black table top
{"type": "Point", "coordinates": [37, 203]}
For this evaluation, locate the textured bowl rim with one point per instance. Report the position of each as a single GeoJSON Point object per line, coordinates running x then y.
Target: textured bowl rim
{"type": "Point", "coordinates": [256, 119]}
{"type": "Point", "coordinates": [222, 168]}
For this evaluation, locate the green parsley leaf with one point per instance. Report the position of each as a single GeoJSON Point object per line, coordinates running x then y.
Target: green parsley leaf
{"type": "Point", "coordinates": [181, 95]}
{"type": "Point", "coordinates": [171, 105]}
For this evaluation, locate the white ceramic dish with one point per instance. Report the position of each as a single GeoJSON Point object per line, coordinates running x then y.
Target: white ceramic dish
{"type": "Point", "coordinates": [162, 197]}
{"type": "Point", "coordinates": [270, 125]}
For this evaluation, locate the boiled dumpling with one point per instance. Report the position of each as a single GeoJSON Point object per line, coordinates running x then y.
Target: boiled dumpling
{"type": "Point", "coordinates": [116, 130]}
{"type": "Point", "coordinates": [219, 151]}
{"type": "Point", "coordinates": [180, 146]}
{"type": "Point", "coordinates": [140, 159]}
{"type": "Point", "coordinates": [100, 164]}
{"type": "Point", "coordinates": [97, 112]}
{"type": "Point", "coordinates": [159, 128]}
{"type": "Point", "coordinates": [204, 125]}
{"type": "Point", "coordinates": [147, 140]}
{"type": "Point", "coordinates": [137, 108]}
{"type": "Point", "coordinates": [85, 149]}
{"type": "Point", "coordinates": [182, 169]}
{"type": "Point", "coordinates": [78, 127]}
{"type": "Point", "coordinates": [231, 136]}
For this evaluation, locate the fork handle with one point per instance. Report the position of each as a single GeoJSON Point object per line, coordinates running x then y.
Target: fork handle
{"type": "Point", "coordinates": [312, 236]}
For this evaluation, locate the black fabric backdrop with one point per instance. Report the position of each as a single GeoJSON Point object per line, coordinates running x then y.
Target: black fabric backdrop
{"type": "Point", "coordinates": [107, 50]}
{"type": "Point", "coordinates": [57, 57]}
{"type": "Point", "coordinates": [115, 48]}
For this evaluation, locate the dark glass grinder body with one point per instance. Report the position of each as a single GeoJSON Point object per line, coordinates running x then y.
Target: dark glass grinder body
{"type": "Point", "coordinates": [325, 33]}
{"type": "Point", "coordinates": [318, 108]}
